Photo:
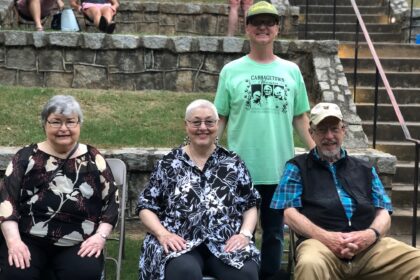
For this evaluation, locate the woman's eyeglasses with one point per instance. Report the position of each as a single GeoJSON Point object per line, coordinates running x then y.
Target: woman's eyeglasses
{"type": "Point", "coordinates": [58, 124]}
{"type": "Point", "coordinates": [207, 123]}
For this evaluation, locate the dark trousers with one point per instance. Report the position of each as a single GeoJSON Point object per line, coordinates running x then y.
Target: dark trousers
{"type": "Point", "coordinates": [191, 265]}
{"type": "Point", "coordinates": [272, 233]}
{"type": "Point", "coordinates": [62, 262]}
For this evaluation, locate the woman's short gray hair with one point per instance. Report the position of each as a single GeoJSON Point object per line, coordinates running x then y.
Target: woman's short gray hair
{"type": "Point", "coordinates": [61, 104]}
{"type": "Point", "coordinates": [200, 103]}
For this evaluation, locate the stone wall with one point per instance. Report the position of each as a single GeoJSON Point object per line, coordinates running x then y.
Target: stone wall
{"type": "Point", "coordinates": [127, 62]}
{"type": "Point", "coordinates": [140, 163]}
{"type": "Point", "coordinates": [158, 18]}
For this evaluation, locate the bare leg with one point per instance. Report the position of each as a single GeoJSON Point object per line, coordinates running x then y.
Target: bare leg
{"type": "Point", "coordinates": [94, 14]}
{"type": "Point", "coordinates": [107, 13]}
{"type": "Point", "coordinates": [245, 7]}
{"type": "Point", "coordinates": [34, 7]}
{"type": "Point", "coordinates": [233, 17]}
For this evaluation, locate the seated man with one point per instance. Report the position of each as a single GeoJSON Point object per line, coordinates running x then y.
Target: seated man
{"type": "Point", "coordinates": [339, 209]}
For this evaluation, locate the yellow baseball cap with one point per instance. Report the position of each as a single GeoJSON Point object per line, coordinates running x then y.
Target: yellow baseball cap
{"type": "Point", "coordinates": [262, 8]}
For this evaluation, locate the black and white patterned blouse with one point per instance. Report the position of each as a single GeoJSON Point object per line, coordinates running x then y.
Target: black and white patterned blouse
{"type": "Point", "coordinates": [200, 206]}
{"type": "Point", "coordinates": [67, 210]}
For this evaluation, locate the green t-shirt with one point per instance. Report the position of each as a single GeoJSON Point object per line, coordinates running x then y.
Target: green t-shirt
{"type": "Point", "coordinates": [260, 101]}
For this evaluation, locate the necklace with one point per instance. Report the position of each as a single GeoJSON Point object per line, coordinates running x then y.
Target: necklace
{"type": "Point", "coordinates": [198, 162]}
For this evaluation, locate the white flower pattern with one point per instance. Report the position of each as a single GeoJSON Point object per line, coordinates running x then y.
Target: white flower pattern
{"type": "Point", "coordinates": [210, 202]}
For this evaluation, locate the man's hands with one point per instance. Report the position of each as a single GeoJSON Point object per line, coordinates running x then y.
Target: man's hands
{"type": "Point", "coordinates": [346, 245]}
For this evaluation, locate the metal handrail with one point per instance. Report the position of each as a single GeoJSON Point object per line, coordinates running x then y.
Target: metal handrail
{"type": "Point", "coordinates": [397, 110]}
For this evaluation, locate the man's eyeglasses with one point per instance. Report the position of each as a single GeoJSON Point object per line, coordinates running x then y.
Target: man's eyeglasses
{"type": "Point", "coordinates": [263, 21]}
{"type": "Point", "coordinates": [58, 124]}
{"type": "Point", "coordinates": [207, 123]}
{"type": "Point", "coordinates": [324, 130]}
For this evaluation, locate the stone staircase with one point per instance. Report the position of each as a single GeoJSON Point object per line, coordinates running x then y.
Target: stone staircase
{"type": "Point", "coordinates": [320, 19]}
{"type": "Point", "coordinates": [401, 63]}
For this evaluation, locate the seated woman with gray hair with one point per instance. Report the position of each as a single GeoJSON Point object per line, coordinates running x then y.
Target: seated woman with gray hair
{"type": "Point", "coordinates": [200, 209]}
{"type": "Point", "coordinates": [58, 202]}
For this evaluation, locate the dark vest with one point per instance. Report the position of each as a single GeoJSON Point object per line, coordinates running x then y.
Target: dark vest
{"type": "Point", "coordinates": [320, 201]}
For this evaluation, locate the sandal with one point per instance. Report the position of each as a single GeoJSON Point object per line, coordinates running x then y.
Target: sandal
{"type": "Point", "coordinates": [103, 24]}
{"type": "Point", "coordinates": [39, 29]}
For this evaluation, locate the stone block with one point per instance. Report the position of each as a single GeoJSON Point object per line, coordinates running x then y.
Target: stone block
{"type": "Point", "coordinates": [90, 77]}
{"type": "Point", "coordinates": [93, 41]}
{"type": "Point", "coordinates": [149, 80]}
{"type": "Point", "coordinates": [233, 45]}
{"type": "Point", "coordinates": [184, 23]}
{"type": "Point", "coordinates": [208, 44]}
{"type": "Point", "coordinates": [122, 81]}
{"type": "Point", "coordinates": [154, 42]}
{"type": "Point", "coordinates": [206, 82]}
{"type": "Point", "coordinates": [79, 56]}
{"type": "Point", "coordinates": [129, 61]}
{"type": "Point", "coordinates": [152, 18]}
{"type": "Point", "coordinates": [182, 44]}
{"type": "Point", "coordinates": [148, 28]}
{"type": "Point", "coordinates": [7, 76]}
{"type": "Point", "coordinates": [125, 41]}
{"type": "Point", "coordinates": [213, 63]}
{"type": "Point", "coordinates": [168, 30]}
{"type": "Point", "coordinates": [167, 19]}
{"type": "Point", "coordinates": [21, 58]}
{"type": "Point", "coordinates": [16, 38]}
{"type": "Point", "coordinates": [50, 60]}
{"type": "Point", "coordinates": [184, 81]}
{"type": "Point", "coordinates": [190, 60]}
{"type": "Point", "coordinates": [59, 80]}
{"type": "Point", "coordinates": [30, 79]}
{"type": "Point", "coordinates": [205, 25]}
{"type": "Point", "coordinates": [65, 39]}
{"type": "Point", "coordinates": [165, 60]}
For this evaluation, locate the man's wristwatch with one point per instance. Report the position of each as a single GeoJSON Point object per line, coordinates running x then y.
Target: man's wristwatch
{"type": "Point", "coordinates": [377, 234]}
{"type": "Point", "coordinates": [247, 234]}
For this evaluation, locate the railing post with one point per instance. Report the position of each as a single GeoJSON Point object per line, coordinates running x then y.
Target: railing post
{"type": "Point", "coordinates": [306, 19]}
{"type": "Point", "coordinates": [415, 199]}
{"type": "Point", "coordinates": [375, 108]}
{"type": "Point", "coordinates": [411, 22]}
{"type": "Point", "coordinates": [356, 57]}
{"type": "Point", "coordinates": [334, 18]}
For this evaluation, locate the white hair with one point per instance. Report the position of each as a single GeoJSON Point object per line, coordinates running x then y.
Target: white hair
{"type": "Point", "coordinates": [201, 103]}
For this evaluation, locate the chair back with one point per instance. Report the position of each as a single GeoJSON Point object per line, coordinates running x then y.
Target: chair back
{"type": "Point", "coordinates": [119, 171]}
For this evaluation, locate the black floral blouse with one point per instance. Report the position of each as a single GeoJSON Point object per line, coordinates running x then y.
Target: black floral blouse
{"type": "Point", "coordinates": [67, 210]}
{"type": "Point", "coordinates": [200, 206]}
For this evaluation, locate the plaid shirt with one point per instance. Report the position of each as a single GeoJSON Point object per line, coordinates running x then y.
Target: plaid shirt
{"type": "Point", "coordinates": [289, 191]}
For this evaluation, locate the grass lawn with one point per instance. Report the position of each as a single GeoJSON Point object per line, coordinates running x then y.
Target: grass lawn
{"type": "Point", "coordinates": [112, 119]}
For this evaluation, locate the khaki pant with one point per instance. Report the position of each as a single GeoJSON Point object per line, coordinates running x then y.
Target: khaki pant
{"type": "Point", "coordinates": [388, 259]}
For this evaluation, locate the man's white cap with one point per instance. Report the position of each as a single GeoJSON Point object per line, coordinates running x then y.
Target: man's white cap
{"type": "Point", "coordinates": [323, 110]}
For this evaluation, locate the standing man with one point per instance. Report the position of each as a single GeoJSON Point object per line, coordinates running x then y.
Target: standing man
{"type": "Point", "coordinates": [263, 97]}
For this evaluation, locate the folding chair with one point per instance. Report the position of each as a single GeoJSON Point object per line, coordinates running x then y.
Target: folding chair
{"type": "Point", "coordinates": [119, 170]}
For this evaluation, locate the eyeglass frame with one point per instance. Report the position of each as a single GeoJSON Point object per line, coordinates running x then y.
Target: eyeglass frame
{"type": "Point", "coordinates": [54, 123]}
{"type": "Point", "coordinates": [207, 123]}
{"type": "Point", "coordinates": [324, 130]}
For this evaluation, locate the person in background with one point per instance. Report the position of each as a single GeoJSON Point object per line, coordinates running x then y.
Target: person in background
{"type": "Point", "coordinates": [262, 98]}
{"type": "Point", "coordinates": [339, 209]}
{"type": "Point", "coordinates": [199, 208]}
{"type": "Point", "coordinates": [36, 10]}
{"type": "Point", "coordinates": [100, 12]}
{"type": "Point", "coordinates": [58, 202]}
{"type": "Point", "coordinates": [233, 17]}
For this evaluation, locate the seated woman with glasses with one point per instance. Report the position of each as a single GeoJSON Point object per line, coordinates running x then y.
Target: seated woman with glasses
{"type": "Point", "coordinates": [200, 208]}
{"type": "Point", "coordinates": [57, 202]}
{"type": "Point", "coordinates": [100, 12]}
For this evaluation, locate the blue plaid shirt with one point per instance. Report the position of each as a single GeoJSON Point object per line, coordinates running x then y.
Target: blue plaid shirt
{"type": "Point", "coordinates": [289, 191]}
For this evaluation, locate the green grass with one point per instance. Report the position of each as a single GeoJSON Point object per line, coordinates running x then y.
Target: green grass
{"type": "Point", "coordinates": [112, 119]}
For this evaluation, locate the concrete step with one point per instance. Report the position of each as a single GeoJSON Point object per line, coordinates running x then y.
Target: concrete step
{"type": "Point", "coordinates": [345, 27]}
{"type": "Point", "coordinates": [400, 64]}
{"type": "Point", "coordinates": [402, 95]}
{"type": "Point", "coordinates": [403, 150]}
{"type": "Point", "coordinates": [402, 221]}
{"type": "Point", "coordinates": [405, 170]}
{"type": "Point", "coordinates": [360, 3]}
{"type": "Point", "coordinates": [345, 9]}
{"type": "Point", "coordinates": [390, 131]}
{"type": "Point", "coordinates": [346, 50]}
{"type": "Point", "coordinates": [350, 36]}
{"type": "Point", "coordinates": [395, 79]}
{"type": "Point", "coordinates": [402, 195]}
{"type": "Point", "coordinates": [386, 112]}
{"type": "Point", "coordinates": [342, 18]}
